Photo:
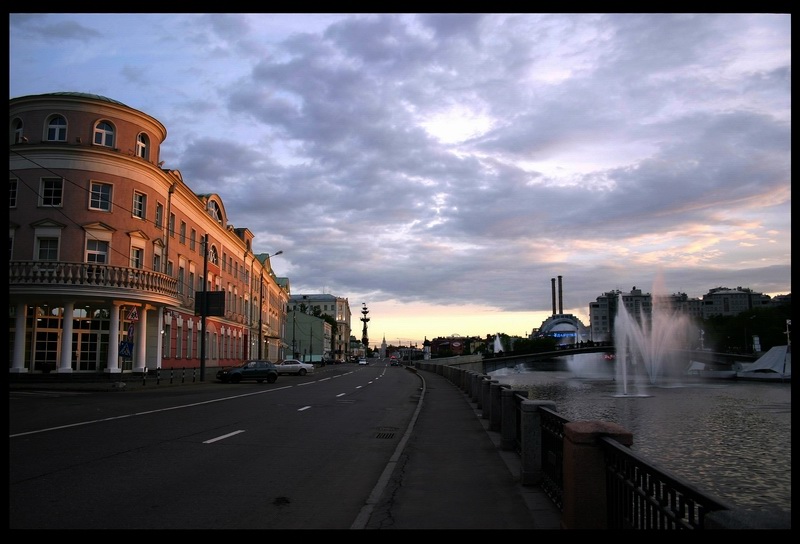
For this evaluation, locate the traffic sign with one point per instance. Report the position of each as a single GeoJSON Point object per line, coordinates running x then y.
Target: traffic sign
{"type": "Point", "coordinates": [133, 315]}
{"type": "Point", "coordinates": [125, 349]}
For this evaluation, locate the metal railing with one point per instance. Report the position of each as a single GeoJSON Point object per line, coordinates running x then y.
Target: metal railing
{"type": "Point", "coordinates": [633, 493]}
{"type": "Point", "coordinates": [642, 496]}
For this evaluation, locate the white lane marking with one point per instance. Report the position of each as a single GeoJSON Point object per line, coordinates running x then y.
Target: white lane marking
{"type": "Point", "coordinates": [341, 394]}
{"type": "Point", "coordinates": [147, 412]}
{"type": "Point", "coordinates": [223, 437]}
{"type": "Point", "coordinates": [303, 408]}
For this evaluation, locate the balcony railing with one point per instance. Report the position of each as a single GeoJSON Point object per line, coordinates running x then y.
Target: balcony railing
{"type": "Point", "coordinates": [90, 275]}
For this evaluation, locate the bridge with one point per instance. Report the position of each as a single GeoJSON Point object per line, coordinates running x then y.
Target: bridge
{"type": "Point", "coordinates": [511, 360]}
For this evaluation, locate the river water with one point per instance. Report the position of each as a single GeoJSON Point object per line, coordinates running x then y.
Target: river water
{"type": "Point", "coordinates": [729, 438]}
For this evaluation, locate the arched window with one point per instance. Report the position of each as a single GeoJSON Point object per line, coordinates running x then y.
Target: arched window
{"type": "Point", "coordinates": [104, 134]}
{"type": "Point", "coordinates": [57, 129]}
{"type": "Point", "coordinates": [214, 211]}
{"type": "Point", "coordinates": [143, 146]}
{"type": "Point", "coordinates": [212, 255]}
{"type": "Point", "coordinates": [17, 130]}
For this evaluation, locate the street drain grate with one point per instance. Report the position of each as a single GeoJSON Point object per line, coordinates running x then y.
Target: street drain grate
{"type": "Point", "coordinates": [386, 432]}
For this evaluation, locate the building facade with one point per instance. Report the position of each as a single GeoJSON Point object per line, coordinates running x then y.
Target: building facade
{"type": "Point", "coordinates": [115, 264]}
{"type": "Point", "coordinates": [336, 307]}
{"type": "Point", "coordinates": [718, 301]}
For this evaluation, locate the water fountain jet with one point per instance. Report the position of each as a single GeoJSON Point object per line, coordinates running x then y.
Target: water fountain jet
{"type": "Point", "coordinates": [646, 345]}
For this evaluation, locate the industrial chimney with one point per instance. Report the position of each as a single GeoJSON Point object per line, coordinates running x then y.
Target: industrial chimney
{"type": "Point", "coordinates": [553, 287]}
{"type": "Point", "coordinates": [560, 297]}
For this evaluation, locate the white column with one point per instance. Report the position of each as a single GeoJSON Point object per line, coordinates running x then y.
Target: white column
{"type": "Point", "coordinates": [140, 337]}
{"type": "Point", "coordinates": [112, 364]}
{"type": "Point", "coordinates": [18, 364]}
{"type": "Point", "coordinates": [65, 365]}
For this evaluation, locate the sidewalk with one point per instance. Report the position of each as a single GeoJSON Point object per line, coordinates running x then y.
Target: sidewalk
{"type": "Point", "coordinates": [452, 474]}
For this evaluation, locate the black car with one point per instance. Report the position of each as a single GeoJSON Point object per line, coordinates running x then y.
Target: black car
{"type": "Point", "coordinates": [259, 371]}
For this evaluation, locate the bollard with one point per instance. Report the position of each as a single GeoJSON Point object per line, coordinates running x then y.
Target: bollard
{"type": "Point", "coordinates": [486, 401]}
{"type": "Point", "coordinates": [584, 473]}
{"type": "Point", "coordinates": [508, 425]}
{"type": "Point", "coordinates": [158, 376]}
{"type": "Point", "coordinates": [496, 412]}
{"type": "Point", "coordinates": [183, 375]}
{"type": "Point", "coordinates": [171, 375]}
{"type": "Point", "coordinates": [531, 440]}
{"type": "Point", "coordinates": [194, 371]}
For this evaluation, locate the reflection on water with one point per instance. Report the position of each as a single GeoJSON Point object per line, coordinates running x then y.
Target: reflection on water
{"type": "Point", "coordinates": [728, 438]}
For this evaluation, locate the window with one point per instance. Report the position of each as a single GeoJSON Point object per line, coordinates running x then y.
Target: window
{"type": "Point", "coordinates": [100, 196]}
{"type": "Point", "coordinates": [172, 225]}
{"type": "Point", "coordinates": [182, 238]}
{"type": "Point", "coordinates": [192, 239]}
{"type": "Point", "coordinates": [212, 256]}
{"type": "Point", "coordinates": [214, 211]}
{"type": "Point", "coordinates": [104, 134]}
{"type": "Point", "coordinates": [47, 249]}
{"type": "Point", "coordinates": [181, 276]}
{"type": "Point", "coordinates": [17, 131]}
{"type": "Point", "coordinates": [167, 339]}
{"type": "Point", "coordinates": [51, 192]}
{"type": "Point", "coordinates": [57, 129]}
{"type": "Point", "coordinates": [137, 257]}
{"type": "Point", "coordinates": [156, 262]}
{"type": "Point", "coordinates": [190, 284]}
{"type": "Point", "coordinates": [12, 193]}
{"type": "Point", "coordinates": [159, 215]}
{"type": "Point", "coordinates": [139, 205]}
{"type": "Point", "coordinates": [143, 146]}
{"type": "Point", "coordinates": [178, 342]}
{"type": "Point", "coordinates": [96, 251]}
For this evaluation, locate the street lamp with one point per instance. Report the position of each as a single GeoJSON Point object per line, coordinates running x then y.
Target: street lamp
{"type": "Point", "coordinates": [261, 301]}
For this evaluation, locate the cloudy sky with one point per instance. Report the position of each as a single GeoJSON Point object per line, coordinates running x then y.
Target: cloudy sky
{"type": "Point", "coordinates": [442, 168]}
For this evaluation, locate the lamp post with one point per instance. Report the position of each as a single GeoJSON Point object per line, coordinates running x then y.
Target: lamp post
{"type": "Point", "coordinates": [261, 301]}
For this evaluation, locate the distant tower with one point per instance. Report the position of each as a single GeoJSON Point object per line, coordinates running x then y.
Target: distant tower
{"type": "Point", "coordinates": [365, 319]}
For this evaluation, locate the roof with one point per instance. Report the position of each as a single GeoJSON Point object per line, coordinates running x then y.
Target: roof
{"type": "Point", "coordinates": [83, 95]}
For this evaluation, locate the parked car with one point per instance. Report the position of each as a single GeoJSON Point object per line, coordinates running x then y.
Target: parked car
{"type": "Point", "coordinates": [362, 362]}
{"type": "Point", "coordinates": [394, 362]}
{"type": "Point", "coordinates": [293, 366]}
{"type": "Point", "coordinates": [260, 371]}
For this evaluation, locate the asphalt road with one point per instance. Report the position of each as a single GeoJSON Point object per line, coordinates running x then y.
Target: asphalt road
{"type": "Point", "coordinates": [302, 453]}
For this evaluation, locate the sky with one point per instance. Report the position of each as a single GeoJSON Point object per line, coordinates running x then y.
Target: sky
{"type": "Point", "coordinates": [441, 169]}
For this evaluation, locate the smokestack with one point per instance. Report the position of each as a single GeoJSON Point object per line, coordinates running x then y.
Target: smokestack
{"type": "Point", "coordinates": [553, 287]}
{"type": "Point", "coordinates": [560, 297]}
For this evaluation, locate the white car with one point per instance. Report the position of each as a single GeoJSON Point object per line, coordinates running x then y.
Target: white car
{"type": "Point", "coordinates": [293, 366]}
{"type": "Point", "coordinates": [362, 362]}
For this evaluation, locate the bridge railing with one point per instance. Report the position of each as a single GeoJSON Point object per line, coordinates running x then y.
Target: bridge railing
{"type": "Point", "coordinates": [588, 469]}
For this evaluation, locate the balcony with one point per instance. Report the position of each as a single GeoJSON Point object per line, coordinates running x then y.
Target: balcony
{"type": "Point", "coordinates": [90, 279]}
